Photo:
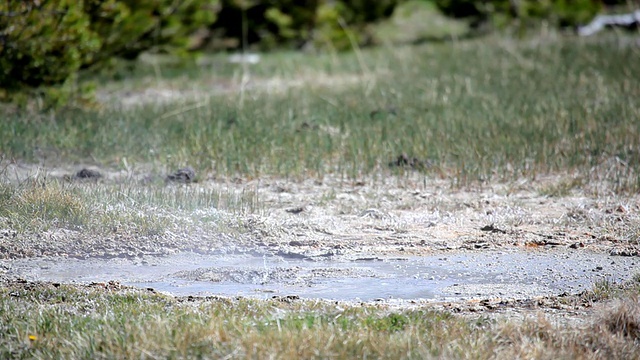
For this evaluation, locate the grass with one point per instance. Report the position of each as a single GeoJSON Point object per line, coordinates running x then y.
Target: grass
{"type": "Point", "coordinates": [416, 21]}
{"type": "Point", "coordinates": [473, 110]}
{"type": "Point", "coordinates": [40, 204]}
{"type": "Point", "coordinates": [60, 321]}
{"type": "Point", "coordinates": [562, 188]}
{"type": "Point", "coordinates": [469, 111]}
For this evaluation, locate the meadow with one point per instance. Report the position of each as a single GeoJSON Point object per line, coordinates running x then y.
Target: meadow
{"type": "Point", "coordinates": [107, 321]}
{"type": "Point", "coordinates": [469, 113]}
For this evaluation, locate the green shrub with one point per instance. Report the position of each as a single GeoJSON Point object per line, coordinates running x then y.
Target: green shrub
{"type": "Point", "coordinates": [526, 12]}
{"type": "Point", "coordinates": [129, 27]}
{"type": "Point", "coordinates": [120, 27]}
{"type": "Point", "coordinates": [367, 11]}
{"type": "Point", "coordinates": [267, 24]}
{"type": "Point", "coordinates": [43, 44]}
{"type": "Point", "coordinates": [354, 16]}
{"type": "Point", "coordinates": [174, 22]}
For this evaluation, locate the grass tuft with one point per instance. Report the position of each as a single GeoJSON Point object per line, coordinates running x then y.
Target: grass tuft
{"type": "Point", "coordinates": [623, 318]}
{"type": "Point", "coordinates": [38, 204]}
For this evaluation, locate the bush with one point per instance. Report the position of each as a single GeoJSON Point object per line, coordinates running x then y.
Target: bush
{"type": "Point", "coordinates": [526, 12]}
{"type": "Point", "coordinates": [268, 24]}
{"type": "Point", "coordinates": [44, 42]}
{"type": "Point", "coordinates": [265, 23]}
{"type": "Point", "coordinates": [129, 27]}
{"type": "Point", "coordinates": [355, 16]}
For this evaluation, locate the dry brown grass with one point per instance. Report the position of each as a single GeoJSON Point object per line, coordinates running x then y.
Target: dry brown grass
{"type": "Point", "coordinates": [44, 321]}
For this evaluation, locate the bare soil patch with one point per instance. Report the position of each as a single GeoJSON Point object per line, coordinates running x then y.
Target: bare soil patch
{"type": "Point", "coordinates": [386, 216]}
{"type": "Point", "coordinates": [370, 218]}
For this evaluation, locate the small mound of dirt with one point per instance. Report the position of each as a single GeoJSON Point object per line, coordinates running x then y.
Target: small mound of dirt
{"type": "Point", "coordinates": [391, 110]}
{"type": "Point", "coordinates": [405, 161]}
{"type": "Point", "coordinates": [184, 175]}
{"type": "Point", "coordinates": [87, 174]}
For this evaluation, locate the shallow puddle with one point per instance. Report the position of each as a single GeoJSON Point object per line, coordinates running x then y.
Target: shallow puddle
{"type": "Point", "coordinates": [454, 276]}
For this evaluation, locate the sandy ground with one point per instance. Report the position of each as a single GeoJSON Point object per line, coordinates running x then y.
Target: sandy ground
{"type": "Point", "coordinates": [370, 218]}
{"type": "Point", "coordinates": [387, 216]}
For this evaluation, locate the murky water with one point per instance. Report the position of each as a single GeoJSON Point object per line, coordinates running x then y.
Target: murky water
{"type": "Point", "coordinates": [451, 277]}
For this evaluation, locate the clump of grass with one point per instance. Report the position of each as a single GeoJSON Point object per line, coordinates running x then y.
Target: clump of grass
{"type": "Point", "coordinates": [41, 204]}
{"type": "Point", "coordinates": [604, 289]}
{"type": "Point", "coordinates": [622, 317]}
{"type": "Point", "coordinates": [37, 205]}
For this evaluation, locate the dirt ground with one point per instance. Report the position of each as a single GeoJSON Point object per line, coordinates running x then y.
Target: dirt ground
{"type": "Point", "coordinates": [368, 218]}
{"type": "Point", "coordinates": [407, 215]}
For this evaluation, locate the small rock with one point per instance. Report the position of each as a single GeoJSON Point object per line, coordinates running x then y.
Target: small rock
{"type": "Point", "coordinates": [184, 175]}
{"type": "Point", "coordinates": [295, 210]}
{"type": "Point", "coordinates": [287, 298]}
{"type": "Point", "coordinates": [492, 228]}
{"type": "Point", "coordinates": [405, 161]}
{"type": "Point", "coordinates": [87, 174]}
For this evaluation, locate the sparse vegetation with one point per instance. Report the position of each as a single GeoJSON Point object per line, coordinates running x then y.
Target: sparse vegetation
{"type": "Point", "coordinates": [510, 115]}
{"type": "Point", "coordinates": [370, 132]}
{"type": "Point", "coordinates": [58, 321]}
{"type": "Point", "coordinates": [91, 216]}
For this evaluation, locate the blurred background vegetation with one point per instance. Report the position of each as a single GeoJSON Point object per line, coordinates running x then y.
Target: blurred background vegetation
{"type": "Point", "coordinates": [44, 43]}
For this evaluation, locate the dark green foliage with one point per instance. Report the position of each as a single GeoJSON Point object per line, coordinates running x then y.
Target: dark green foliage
{"type": "Point", "coordinates": [45, 42]}
{"type": "Point", "coordinates": [120, 27]}
{"type": "Point", "coordinates": [354, 16]}
{"type": "Point", "coordinates": [366, 11]}
{"type": "Point", "coordinates": [267, 24]}
{"type": "Point", "coordinates": [171, 23]}
{"type": "Point", "coordinates": [525, 12]}
{"type": "Point", "coordinates": [128, 27]}
{"type": "Point", "coordinates": [459, 8]}
{"type": "Point", "coordinates": [42, 43]}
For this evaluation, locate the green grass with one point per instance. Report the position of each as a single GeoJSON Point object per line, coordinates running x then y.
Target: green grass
{"type": "Point", "coordinates": [474, 111]}
{"type": "Point", "coordinates": [415, 21]}
{"type": "Point", "coordinates": [493, 109]}
{"type": "Point", "coordinates": [65, 322]}
{"type": "Point", "coordinates": [40, 204]}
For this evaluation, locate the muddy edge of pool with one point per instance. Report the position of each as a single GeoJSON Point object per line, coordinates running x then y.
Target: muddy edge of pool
{"type": "Point", "coordinates": [367, 219]}
{"type": "Point", "coordinates": [455, 276]}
